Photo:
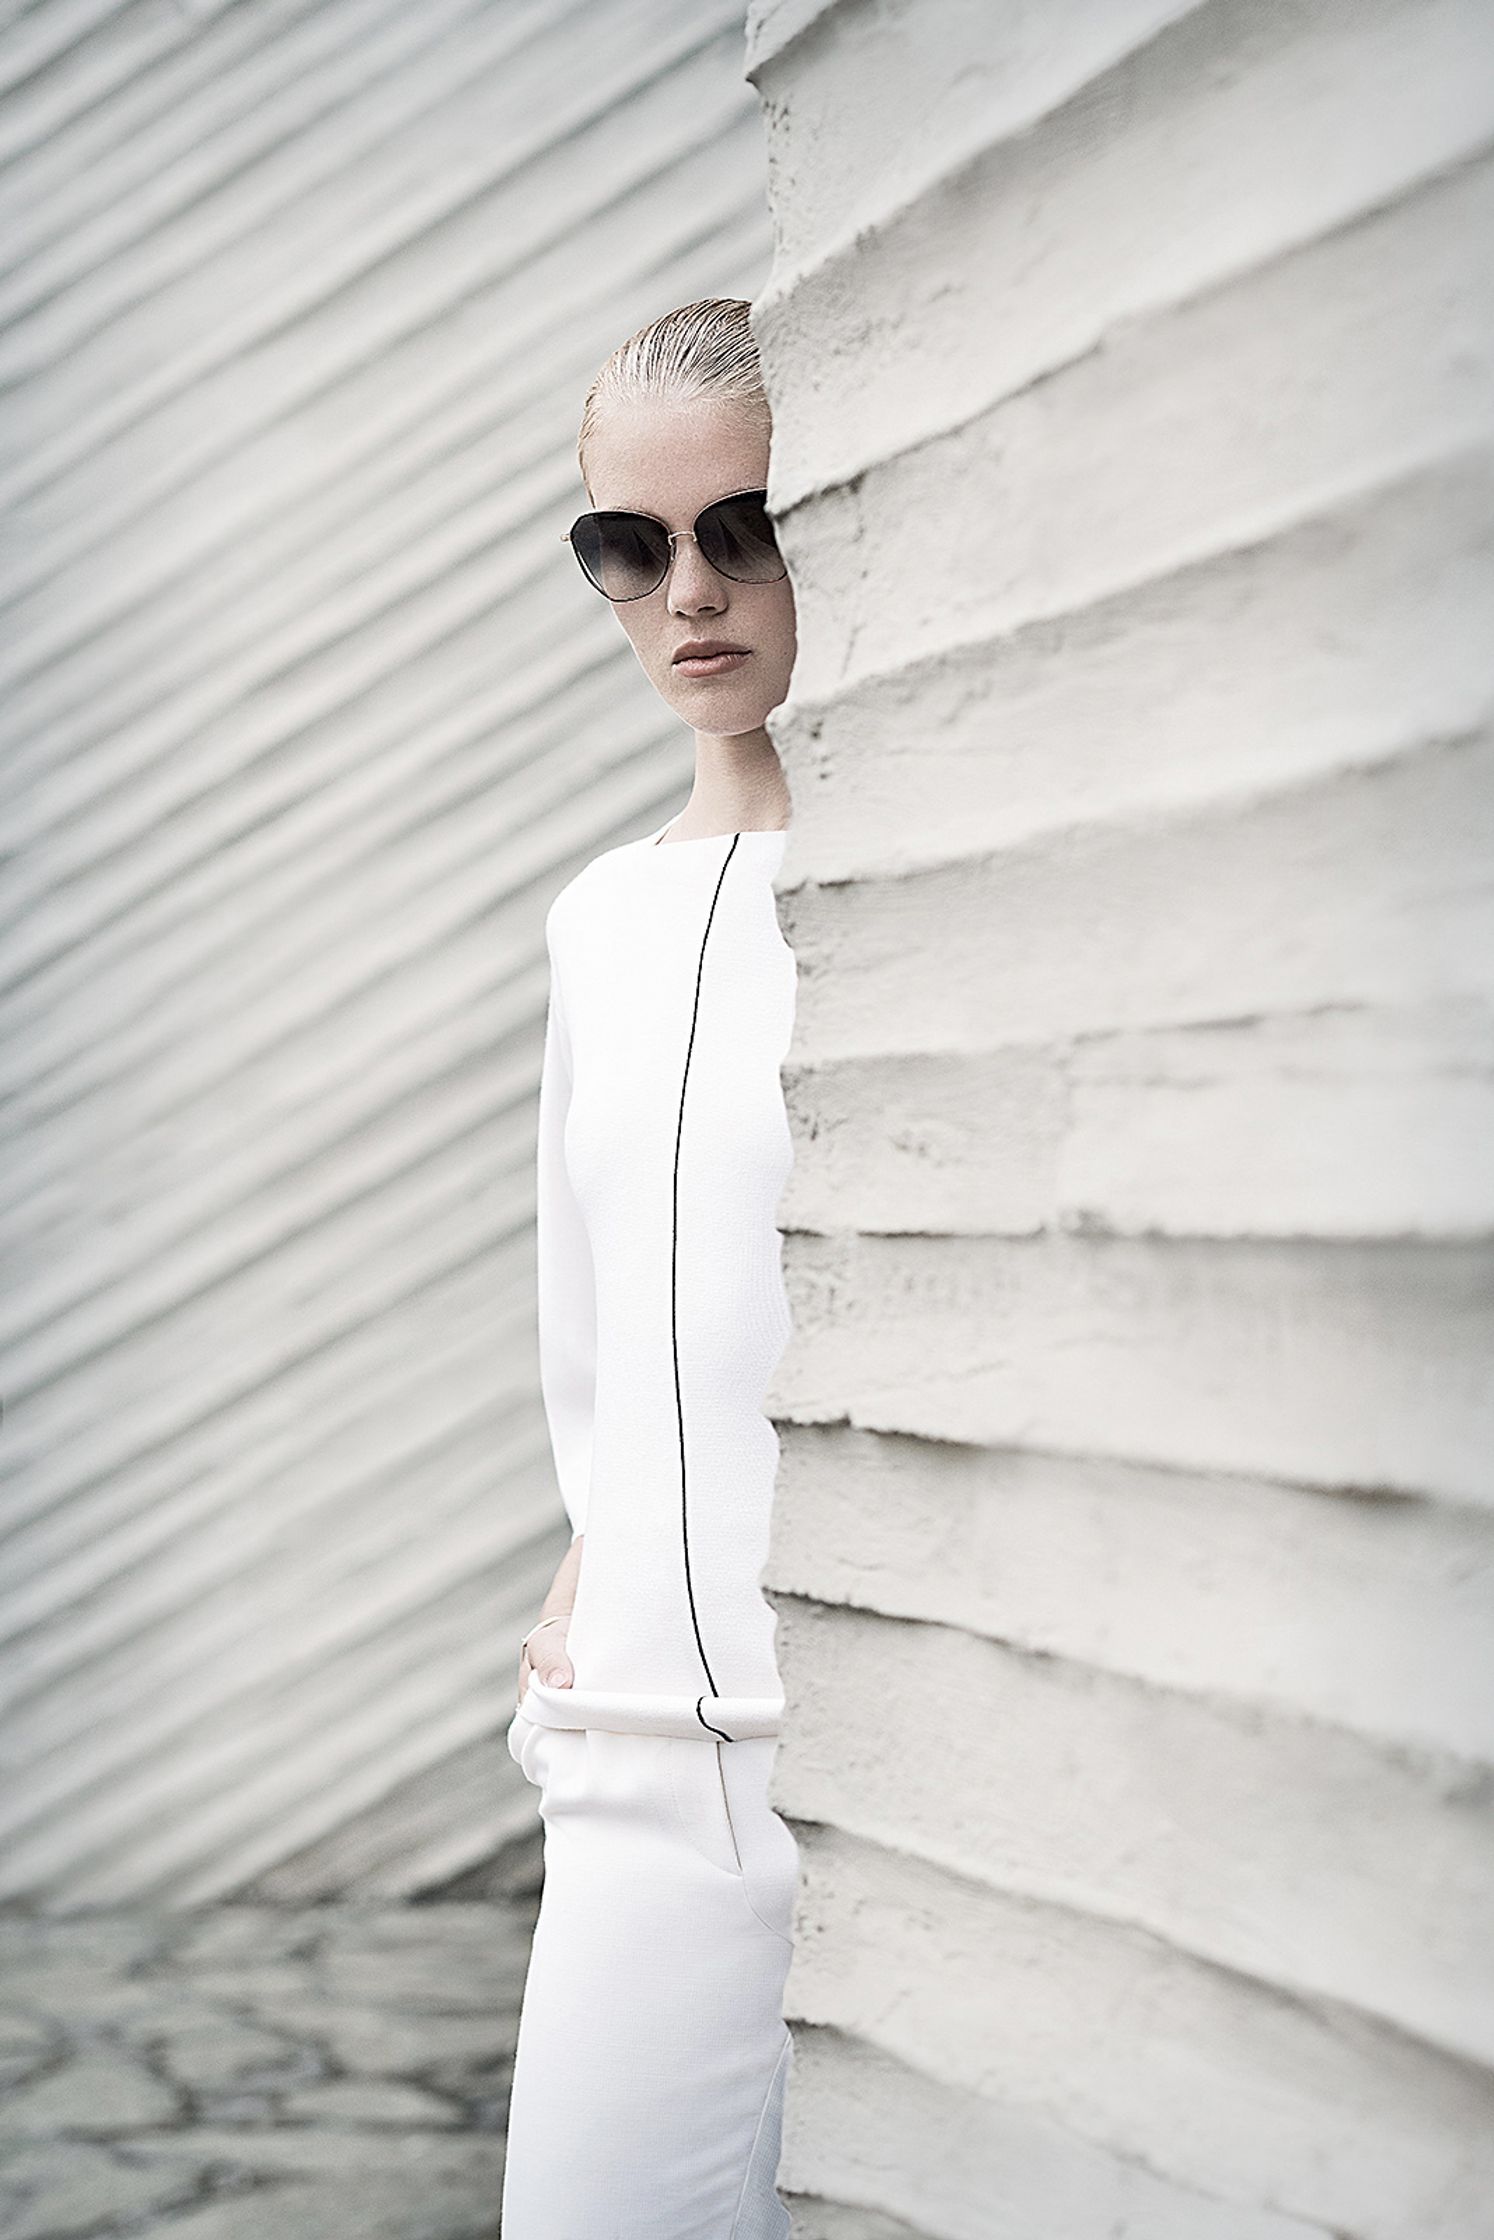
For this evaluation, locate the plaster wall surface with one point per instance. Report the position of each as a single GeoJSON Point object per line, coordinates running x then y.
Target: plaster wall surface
{"type": "Point", "coordinates": [1134, 1540]}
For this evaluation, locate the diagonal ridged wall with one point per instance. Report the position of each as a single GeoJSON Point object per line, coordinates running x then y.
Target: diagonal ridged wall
{"type": "Point", "coordinates": [1133, 376]}
{"type": "Point", "coordinates": [308, 714]}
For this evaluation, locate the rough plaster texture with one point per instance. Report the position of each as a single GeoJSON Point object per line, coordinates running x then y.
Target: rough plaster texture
{"type": "Point", "coordinates": [1131, 368]}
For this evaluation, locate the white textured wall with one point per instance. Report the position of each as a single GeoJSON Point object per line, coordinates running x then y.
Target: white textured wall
{"type": "Point", "coordinates": [1133, 1547]}
{"type": "Point", "coordinates": [307, 713]}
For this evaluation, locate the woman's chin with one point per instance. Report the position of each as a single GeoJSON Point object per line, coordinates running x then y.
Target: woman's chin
{"type": "Point", "coordinates": [711, 704]}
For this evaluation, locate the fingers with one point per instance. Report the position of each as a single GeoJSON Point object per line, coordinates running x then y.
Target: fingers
{"type": "Point", "coordinates": [544, 1658]}
{"type": "Point", "coordinates": [547, 1652]}
{"type": "Point", "coordinates": [553, 1665]}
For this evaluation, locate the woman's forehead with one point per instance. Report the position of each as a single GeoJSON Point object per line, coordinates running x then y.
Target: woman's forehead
{"type": "Point", "coordinates": [656, 455]}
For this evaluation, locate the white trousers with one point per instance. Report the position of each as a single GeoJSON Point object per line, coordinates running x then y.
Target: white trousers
{"type": "Point", "coordinates": [647, 2100]}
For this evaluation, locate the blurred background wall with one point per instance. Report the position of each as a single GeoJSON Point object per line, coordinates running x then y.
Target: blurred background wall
{"type": "Point", "coordinates": [1133, 1546]}
{"type": "Point", "coordinates": [307, 714]}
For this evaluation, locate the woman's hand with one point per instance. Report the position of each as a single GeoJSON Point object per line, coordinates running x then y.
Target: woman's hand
{"type": "Point", "coordinates": [545, 1653]}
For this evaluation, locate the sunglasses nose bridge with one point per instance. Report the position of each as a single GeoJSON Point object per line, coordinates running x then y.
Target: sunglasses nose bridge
{"type": "Point", "coordinates": [694, 592]}
{"type": "Point", "coordinates": [673, 535]}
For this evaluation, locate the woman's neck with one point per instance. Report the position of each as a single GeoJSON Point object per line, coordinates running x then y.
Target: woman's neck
{"type": "Point", "coordinates": [739, 786]}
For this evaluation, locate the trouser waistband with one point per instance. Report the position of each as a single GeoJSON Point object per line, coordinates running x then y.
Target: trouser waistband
{"type": "Point", "coordinates": [702, 1718]}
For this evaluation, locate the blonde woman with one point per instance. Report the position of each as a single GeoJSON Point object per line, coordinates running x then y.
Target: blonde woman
{"type": "Point", "coordinates": [652, 2054]}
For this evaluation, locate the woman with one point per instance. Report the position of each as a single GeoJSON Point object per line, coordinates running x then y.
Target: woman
{"type": "Point", "coordinates": [652, 2053]}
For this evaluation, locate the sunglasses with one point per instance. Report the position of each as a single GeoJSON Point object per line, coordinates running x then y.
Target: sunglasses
{"type": "Point", "coordinates": [627, 555]}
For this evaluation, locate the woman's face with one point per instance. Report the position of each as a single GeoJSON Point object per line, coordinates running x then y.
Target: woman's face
{"type": "Point", "coordinates": [671, 458]}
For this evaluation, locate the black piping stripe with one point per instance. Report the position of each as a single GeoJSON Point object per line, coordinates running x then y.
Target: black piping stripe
{"type": "Point", "coordinates": [674, 1322]}
{"type": "Point", "coordinates": [705, 1722]}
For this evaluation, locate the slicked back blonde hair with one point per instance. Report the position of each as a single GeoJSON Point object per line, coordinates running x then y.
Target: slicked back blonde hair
{"type": "Point", "coordinates": [703, 349]}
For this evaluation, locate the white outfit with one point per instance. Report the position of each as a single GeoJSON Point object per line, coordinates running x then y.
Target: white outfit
{"type": "Point", "coordinates": [652, 2054]}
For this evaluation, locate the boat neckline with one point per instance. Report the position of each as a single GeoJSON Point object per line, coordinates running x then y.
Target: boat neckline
{"type": "Point", "coordinates": [655, 840]}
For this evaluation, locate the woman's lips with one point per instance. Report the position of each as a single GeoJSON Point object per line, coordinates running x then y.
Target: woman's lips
{"type": "Point", "coordinates": [709, 664]}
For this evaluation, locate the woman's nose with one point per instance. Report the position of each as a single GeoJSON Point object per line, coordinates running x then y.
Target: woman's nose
{"type": "Point", "coordinates": [693, 582]}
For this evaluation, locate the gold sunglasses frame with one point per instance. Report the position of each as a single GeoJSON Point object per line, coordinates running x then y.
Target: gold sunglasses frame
{"type": "Point", "coordinates": [671, 534]}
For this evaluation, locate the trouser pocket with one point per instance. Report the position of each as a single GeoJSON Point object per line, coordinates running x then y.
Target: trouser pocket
{"type": "Point", "coordinates": [697, 1786]}
{"type": "Point", "coordinates": [768, 1856]}
{"type": "Point", "coordinates": [721, 1803]}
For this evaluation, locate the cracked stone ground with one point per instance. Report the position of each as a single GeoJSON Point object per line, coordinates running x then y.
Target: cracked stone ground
{"type": "Point", "coordinates": [252, 2073]}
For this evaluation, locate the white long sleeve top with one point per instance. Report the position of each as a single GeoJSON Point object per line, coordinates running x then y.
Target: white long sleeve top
{"type": "Point", "coordinates": [663, 1151]}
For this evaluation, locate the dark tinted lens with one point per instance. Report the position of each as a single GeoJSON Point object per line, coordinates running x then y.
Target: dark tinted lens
{"type": "Point", "coordinates": [737, 537]}
{"type": "Point", "coordinates": [625, 554]}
